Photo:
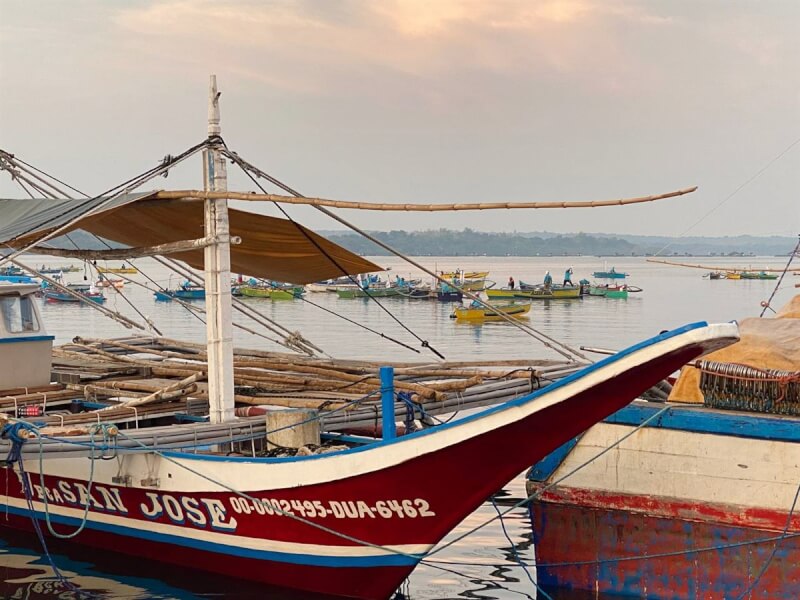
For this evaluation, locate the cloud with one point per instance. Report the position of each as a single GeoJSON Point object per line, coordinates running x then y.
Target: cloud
{"type": "Point", "coordinates": [300, 47]}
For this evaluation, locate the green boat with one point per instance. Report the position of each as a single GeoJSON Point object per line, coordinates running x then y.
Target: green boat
{"type": "Point", "coordinates": [378, 292]}
{"type": "Point", "coordinates": [613, 291]}
{"type": "Point", "coordinates": [760, 275]}
{"type": "Point", "coordinates": [536, 293]}
{"type": "Point", "coordinates": [273, 293]}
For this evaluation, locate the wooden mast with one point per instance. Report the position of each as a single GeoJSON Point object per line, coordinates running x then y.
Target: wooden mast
{"type": "Point", "coordinates": [219, 328]}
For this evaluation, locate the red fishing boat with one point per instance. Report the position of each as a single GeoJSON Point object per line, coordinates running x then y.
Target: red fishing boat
{"type": "Point", "coordinates": [353, 522]}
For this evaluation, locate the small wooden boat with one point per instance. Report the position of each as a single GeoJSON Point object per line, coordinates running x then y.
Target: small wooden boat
{"type": "Point", "coordinates": [613, 291]}
{"type": "Point", "coordinates": [481, 313]}
{"type": "Point", "coordinates": [105, 282]}
{"type": "Point", "coordinates": [612, 274]}
{"type": "Point", "coordinates": [464, 275]}
{"type": "Point", "coordinates": [271, 292]}
{"type": "Point", "coordinates": [65, 269]}
{"type": "Point", "coordinates": [538, 292]}
{"type": "Point", "coordinates": [185, 292]}
{"type": "Point", "coordinates": [123, 270]}
{"type": "Point", "coordinates": [714, 275]}
{"type": "Point", "coordinates": [422, 292]}
{"type": "Point", "coordinates": [759, 275]}
{"type": "Point", "coordinates": [54, 296]}
{"type": "Point", "coordinates": [375, 292]}
{"type": "Point", "coordinates": [733, 275]}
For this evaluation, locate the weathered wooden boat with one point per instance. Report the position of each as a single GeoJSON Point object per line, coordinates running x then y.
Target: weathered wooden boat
{"type": "Point", "coordinates": [758, 275]}
{"type": "Point", "coordinates": [464, 275]}
{"type": "Point", "coordinates": [698, 497]}
{"type": "Point", "coordinates": [57, 296]}
{"type": "Point", "coordinates": [714, 275]}
{"type": "Point", "coordinates": [375, 292]}
{"type": "Point", "coordinates": [184, 292]}
{"type": "Point", "coordinates": [613, 291]}
{"type": "Point", "coordinates": [271, 292]}
{"type": "Point", "coordinates": [611, 274]}
{"type": "Point", "coordinates": [449, 295]}
{"type": "Point", "coordinates": [539, 292]}
{"type": "Point", "coordinates": [105, 282]}
{"type": "Point", "coordinates": [421, 292]}
{"type": "Point", "coordinates": [123, 270]}
{"type": "Point", "coordinates": [63, 269]}
{"type": "Point", "coordinates": [351, 522]}
{"type": "Point", "coordinates": [482, 313]}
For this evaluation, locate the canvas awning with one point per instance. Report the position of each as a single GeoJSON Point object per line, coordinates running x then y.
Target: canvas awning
{"type": "Point", "coordinates": [271, 248]}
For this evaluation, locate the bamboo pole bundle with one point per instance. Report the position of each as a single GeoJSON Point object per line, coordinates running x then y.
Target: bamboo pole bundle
{"type": "Point", "coordinates": [382, 206]}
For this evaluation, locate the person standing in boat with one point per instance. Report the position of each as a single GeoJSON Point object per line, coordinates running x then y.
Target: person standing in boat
{"type": "Point", "coordinates": [511, 283]}
{"type": "Point", "coordinates": [568, 277]}
{"type": "Point", "coordinates": [548, 280]}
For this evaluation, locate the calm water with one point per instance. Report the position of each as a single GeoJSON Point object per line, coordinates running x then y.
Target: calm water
{"type": "Point", "coordinates": [485, 567]}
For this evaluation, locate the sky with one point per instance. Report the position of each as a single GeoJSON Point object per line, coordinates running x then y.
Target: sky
{"type": "Point", "coordinates": [427, 101]}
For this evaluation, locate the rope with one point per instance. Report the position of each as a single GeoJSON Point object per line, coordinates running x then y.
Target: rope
{"type": "Point", "coordinates": [538, 493]}
{"type": "Point", "coordinates": [246, 168]}
{"type": "Point", "coordinates": [514, 552]}
{"type": "Point", "coordinates": [733, 193]}
{"type": "Point", "coordinates": [794, 253]}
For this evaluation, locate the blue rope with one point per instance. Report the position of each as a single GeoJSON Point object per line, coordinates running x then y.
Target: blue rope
{"type": "Point", "coordinates": [411, 408]}
{"type": "Point", "coordinates": [62, 579]}
{"type": "Point", "coordinates": [517, 558]}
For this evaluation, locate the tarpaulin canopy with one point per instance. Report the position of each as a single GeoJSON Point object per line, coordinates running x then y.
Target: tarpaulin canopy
{"type": "Point", "coordinates": [271, 248]}
{"type": "Point", "coordinates": [763, 343]}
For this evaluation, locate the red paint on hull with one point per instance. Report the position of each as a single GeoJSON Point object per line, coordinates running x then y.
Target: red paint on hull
{"type": "Point", "coordinates": [680, 557]}
{"type": "Point", "coordinates": [487, 461]}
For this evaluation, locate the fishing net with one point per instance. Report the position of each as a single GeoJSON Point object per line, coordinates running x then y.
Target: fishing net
{"type": "Point", "coordinates": [759, 373]}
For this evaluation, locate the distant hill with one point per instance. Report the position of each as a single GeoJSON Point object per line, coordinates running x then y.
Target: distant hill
{"type": "Point", "coordinates": [447, 242]}
{"type": "Point", "coordinates": [467, 242]}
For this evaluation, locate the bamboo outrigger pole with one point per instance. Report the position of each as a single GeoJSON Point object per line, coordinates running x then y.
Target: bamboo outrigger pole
{"type": "Point", "coordinates": [206, 195]}
{"type": "Point", "coordinates": [728, 268]}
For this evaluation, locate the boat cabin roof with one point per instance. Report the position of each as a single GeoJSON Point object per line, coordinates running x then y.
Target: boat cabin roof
{"type": "Point", "coordinates": [18, 289]}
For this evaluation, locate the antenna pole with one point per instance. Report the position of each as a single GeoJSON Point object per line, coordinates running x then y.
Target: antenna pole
{"type": "Point", "coordinates": [219, 327]}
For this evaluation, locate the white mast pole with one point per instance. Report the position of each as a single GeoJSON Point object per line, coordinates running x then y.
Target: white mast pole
{"type": "Point", "coordinates": [219, 328]}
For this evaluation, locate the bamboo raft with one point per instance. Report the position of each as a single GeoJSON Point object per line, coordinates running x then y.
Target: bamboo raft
{"type": "Point", "coordinates": [126, 381]}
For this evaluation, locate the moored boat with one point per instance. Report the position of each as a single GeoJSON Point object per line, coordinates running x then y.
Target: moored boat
{"type": "Point", "coordinates": [698, 498]}
{"type": "Point", "coordinates": [185, 292]}
{"type": "Point", "coordinates": [199, 489]}
{"type": "Point", "coordinates": [482, 313]}
{"type": "Point", "coordinates": [124, 270]}
{"type": "Point", "coordinates": [611, 274]}
{"type": "Point", "coordinates": [537, 292]}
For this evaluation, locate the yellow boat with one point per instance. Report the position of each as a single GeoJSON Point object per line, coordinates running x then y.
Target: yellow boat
{"type": "Point", "coordinates": [480, 313]}
{"type": "Point", "coordinates": [733, 275]}
{"type": "Point", "coordinates": [467, 275]}
{"type": "Point", "coordinates": [123, 270]}
{"type": "Point", "coordinates": [555, 293]}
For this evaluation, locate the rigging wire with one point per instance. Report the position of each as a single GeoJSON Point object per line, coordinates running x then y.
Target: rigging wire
{"type": "Point", "coordinates": [767, 304]}
{"type": "Point", "coordinates": [738, 189]}
{"type": "Point", "coordinates": [102, 200]}
{"type": "Point", "coordinates": [546, 340]}
{"type": "Point", "coordinates": [238, 161]}
{"type": "Point", "coordinates": [356, 323]}
{"type": "Point", "coordinates": [9, 162]}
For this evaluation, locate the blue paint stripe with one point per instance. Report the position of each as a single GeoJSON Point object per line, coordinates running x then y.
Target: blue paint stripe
{"type": "Point", "coordinates": [709, 420]}
{"type": "Point", "coordinates": [30, 338]}
{"type": "Point", "coordinates": [544, 469]}
{"type": "Point", "coordinates": [491, 410]}
{"type": "Point", "coordinates": [390, 560]}
{"type": "Point", "coordinates": [697, 419]}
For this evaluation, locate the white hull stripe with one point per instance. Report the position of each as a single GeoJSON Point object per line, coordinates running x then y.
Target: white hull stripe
{"type": "Point", "coordinates": [258, 475]}
{"type": "Point", "coordinates": [228, 544]}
